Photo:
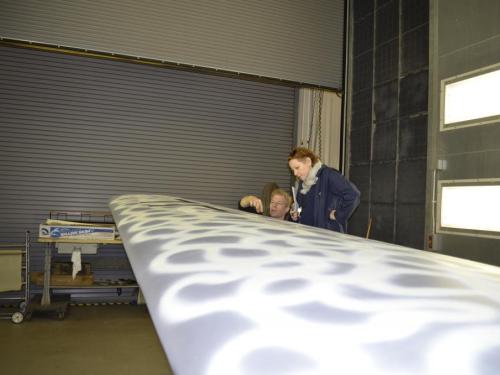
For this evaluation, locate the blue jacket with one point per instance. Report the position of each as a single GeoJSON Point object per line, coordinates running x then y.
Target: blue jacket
{"type": "Point", "coordinates": [332, 191]}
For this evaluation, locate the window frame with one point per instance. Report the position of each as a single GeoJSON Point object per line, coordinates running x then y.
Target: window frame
{"type": "Point", "coordinates": [463, 231]}
{"type": "Point", "coordinates": [467, 123]}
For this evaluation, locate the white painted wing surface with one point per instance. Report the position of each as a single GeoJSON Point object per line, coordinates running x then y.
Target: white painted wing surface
{"type": "Point", "coordinates": [232, 293]}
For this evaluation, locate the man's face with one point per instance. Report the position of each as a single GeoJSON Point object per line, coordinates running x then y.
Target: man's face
{"type": "Point", "coordinates": [279, 206]}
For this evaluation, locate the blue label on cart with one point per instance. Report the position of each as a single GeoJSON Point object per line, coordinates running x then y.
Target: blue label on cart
{"type": "Point", "coordinates": [55, 231]}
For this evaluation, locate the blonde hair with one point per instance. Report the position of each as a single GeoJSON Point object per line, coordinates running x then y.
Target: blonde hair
{"type": "Point", "coordinates": [284, 194]}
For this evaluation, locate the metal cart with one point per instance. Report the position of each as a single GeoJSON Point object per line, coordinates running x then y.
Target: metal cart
{"type": "Point", "coordinates": [15, 277]}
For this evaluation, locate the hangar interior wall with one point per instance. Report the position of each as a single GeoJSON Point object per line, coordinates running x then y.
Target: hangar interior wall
{"type": "Point", "coordinates": [76, 131]}
{"type": "Point", "coordinates": [388, 118]}
{"type": "Point", "coordinates": [465, 38]}
{"type": "Point", "coordinates": [293, 40]}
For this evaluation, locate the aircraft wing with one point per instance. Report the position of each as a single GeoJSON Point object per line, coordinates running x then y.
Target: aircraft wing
{"type": "Point", "coordinates": [233, 293]}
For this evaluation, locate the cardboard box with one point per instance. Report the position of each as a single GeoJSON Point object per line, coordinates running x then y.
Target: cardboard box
{"type": "Point", "coordinates": [66, 268]}
{"type": "Point", "coordinates": [63, 280]}
{"type": "Point", "coordinates": [84, 232]}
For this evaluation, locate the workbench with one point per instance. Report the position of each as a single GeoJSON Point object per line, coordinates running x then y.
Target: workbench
{"type": "Point", "coordinates": [59, 303]}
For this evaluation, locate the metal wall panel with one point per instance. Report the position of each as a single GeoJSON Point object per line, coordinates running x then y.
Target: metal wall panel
{"type": "Point", "coordinates": [75, 131]}
{"type": "Point", "coordinates": [388, 119]}
{"type": "Point", "coordinates": [466, 37]}
{"type": "Point", "coordinates": [300, 41]}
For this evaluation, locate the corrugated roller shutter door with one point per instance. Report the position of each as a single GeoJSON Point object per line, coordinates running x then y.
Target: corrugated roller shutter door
{"type": "Point", "coordinates": [76, 131]}
{"type": "Point", "coordinates": [294, 40]}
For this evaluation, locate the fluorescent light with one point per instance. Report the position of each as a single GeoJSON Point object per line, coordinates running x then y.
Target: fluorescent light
{"type": "Point", "coordinates": [472, 98]}
{"type": "Point", "coordinates": [471, 207]}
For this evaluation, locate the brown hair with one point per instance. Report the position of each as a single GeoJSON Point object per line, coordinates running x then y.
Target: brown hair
{"type": "Point", "coordinates": [301, 153]}
{"type": "Point", "coordinates": [266, 196]}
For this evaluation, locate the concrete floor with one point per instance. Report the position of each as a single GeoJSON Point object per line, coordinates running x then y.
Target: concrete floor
{"type": "Point", "coordinates": [114, 339]}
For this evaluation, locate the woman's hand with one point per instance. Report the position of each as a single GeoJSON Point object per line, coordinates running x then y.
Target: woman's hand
{"type": "Point", "coordinates": [332, 215]}
{"type": "Point", "coordinates": [294, 214]}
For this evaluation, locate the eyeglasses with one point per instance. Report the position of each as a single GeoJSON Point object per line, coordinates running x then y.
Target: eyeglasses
{"type": "Point", "coordinates": [278, 203]}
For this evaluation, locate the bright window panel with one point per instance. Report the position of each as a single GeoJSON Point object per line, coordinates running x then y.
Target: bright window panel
{"type": "Point", "coordinates": [471, 207]}
{"type": "Point", "coordinates": [472, 98]}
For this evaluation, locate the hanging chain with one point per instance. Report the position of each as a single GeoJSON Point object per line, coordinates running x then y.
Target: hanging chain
{"type": "Point", "coordinates": [311, 122]}
{"type": "Point", "coordinates": [317, 107]}
{"type": "Point", "coordinates": [318, 127]}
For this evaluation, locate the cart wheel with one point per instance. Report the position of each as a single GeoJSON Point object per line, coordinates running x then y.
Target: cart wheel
{"type": "Point", "coordinates": [22, 305]}
{"type": "Point", "coordinates": [27, 315]}
{"type": "Point", "coordinates": [17, 317]}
